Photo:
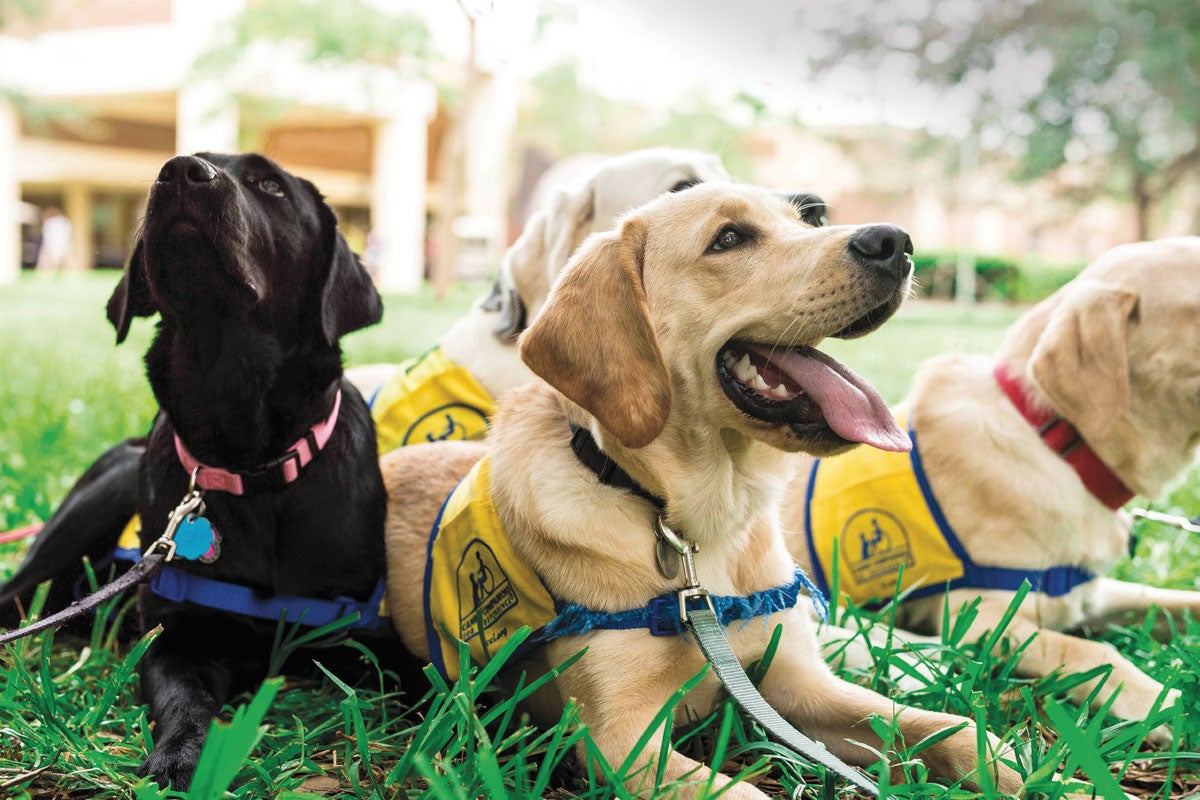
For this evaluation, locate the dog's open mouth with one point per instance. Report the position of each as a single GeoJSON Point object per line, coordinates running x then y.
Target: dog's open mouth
{"type": "Point", "coordinates": [809, 391]}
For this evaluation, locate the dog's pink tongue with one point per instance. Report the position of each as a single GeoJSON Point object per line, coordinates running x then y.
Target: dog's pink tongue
{"type": "Point", "coordinates": [851, 406]}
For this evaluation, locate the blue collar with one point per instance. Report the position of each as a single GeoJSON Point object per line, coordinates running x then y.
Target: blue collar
{"type": "Point", "coordinates": [661, 615]}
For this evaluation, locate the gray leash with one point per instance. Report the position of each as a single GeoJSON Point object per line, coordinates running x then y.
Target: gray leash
{"type": "Point", "coordinates": [1174, 520]}
{"type": "Point", "coordinates": [697, 613]}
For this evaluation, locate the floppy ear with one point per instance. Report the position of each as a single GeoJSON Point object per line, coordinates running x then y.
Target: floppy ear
{"type": "Point", "coordinates": [1081, 362]}
{"type": "Point", "coordinates": [568, 220]}
{"type": "Point", "coordinates": [538, 255]}
{"type": "Point", "coordinates": [132, 297]}
{"type": "Point", "coordinates": [594, 342]}
{"type": "Point", "coordinates": [349, 299]}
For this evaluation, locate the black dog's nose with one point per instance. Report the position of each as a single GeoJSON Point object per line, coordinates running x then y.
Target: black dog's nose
{"type": "Point", "coordinates": [187, 169]}
{"type": "Point", "coordinates": [882, 247]}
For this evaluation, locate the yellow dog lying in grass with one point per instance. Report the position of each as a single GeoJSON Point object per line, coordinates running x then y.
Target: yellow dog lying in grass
{"type": "Point", "coordinates": [638, 347]}
{"type": "Point", "coordinates": [1020, 466]}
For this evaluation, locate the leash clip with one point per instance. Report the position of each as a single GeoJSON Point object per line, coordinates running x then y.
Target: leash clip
{"type": "Point", "coordinates": [192, 503]}
{"type": "Point", "coordinates": [666, 541]}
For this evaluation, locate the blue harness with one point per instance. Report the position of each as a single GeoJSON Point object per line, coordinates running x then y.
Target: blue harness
{"type": "Point", "coordinates": [183, 587]}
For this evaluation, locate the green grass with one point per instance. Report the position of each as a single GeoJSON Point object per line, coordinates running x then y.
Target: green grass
{"type": "Point", "coordinates": [72, 726]}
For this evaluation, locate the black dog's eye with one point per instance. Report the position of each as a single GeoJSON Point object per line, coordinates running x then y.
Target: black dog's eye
{"type": "Point", "coordinates": [687, 183]}
{"type": "Point", "coordinates": [727, 238]}
{"type": "Point", "coordinates": [271, 186]}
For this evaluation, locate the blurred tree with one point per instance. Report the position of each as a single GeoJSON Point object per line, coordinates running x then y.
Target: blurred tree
{"type": "Point", "coordinates": [12, 10]}
{"type": "Point", "coordinates": [568, 117]}
{"type": "Point", "coordinates": [345, 32]}
{"type": "Point", "coordinates": [1105, 94]}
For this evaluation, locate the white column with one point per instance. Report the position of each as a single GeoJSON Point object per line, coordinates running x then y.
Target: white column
{"type": "Point", "coordinates": [489, 141]}
{"type": "Point", "coordinates": [10, 196]}
{"type": "Point", "coordinates": [77, 205]}
{"type": "Point", "coordinates": [206, 116]}
{"type": "Point", "coordinates": [206, 119]}
{"type": "Point", "coordinates": [398, 192]}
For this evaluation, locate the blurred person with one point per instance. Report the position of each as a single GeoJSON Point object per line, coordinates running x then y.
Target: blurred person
{"type": "Point", "coordinates": [54, 253]}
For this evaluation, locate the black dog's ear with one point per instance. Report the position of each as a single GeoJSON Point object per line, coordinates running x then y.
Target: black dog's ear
{"type": "Point", "coordinates": [349, 300]}
{"type": "Point", "coordinates": [131, 298]}
{"type": "Point", "coordinates": [811, 207]}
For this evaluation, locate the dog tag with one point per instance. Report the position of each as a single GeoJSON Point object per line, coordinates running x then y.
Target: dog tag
{"type": "Point", "coordinates": [667, 557]}
{"type": "Point", "coordinates": [195, 539]}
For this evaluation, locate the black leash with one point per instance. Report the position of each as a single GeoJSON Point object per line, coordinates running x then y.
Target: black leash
{"type": "Point", "coordinates": [697, 614]}
{"type": "Point", "coordinates": [143, 570]}
{"type": "Point", "coordinates": [162, 550]}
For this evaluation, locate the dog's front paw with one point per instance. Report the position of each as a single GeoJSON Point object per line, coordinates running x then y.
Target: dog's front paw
{"type": "Point", "coordinates": [171, 764]}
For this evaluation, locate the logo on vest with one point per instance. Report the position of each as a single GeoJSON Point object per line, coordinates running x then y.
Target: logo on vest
{"type": "Point", "coordinates": [875, 545]}
{"type": "Point", "coordinates": [485, 595]}
{"type": "Point", "coordinates": [452, 422]}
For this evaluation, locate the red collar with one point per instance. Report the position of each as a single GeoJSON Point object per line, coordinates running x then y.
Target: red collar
{"type": "Point", "coordinates": [1062, 437]}
{"type": "Point", "coordinates": [274, 474]}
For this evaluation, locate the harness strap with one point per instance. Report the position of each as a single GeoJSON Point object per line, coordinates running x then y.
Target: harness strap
{"type": "Point", "coordinates": [179, 586]}
{"type": "Point", "coordinates": [273, 475]}
{"type": "Point", "coordinates": [1064, 439]}
{"type": "Point", "coordinates": [661, 615]}
{"type": "Point", "coordinates": [710, 635]}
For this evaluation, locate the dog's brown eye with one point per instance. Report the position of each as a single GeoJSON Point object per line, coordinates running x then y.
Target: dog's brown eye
{"type": "Point", "coordinates": [727, 238]}
{"type": "Point", "coordinates": [686, 183]}
{"type": "Point", "coordinates": [271, 186]}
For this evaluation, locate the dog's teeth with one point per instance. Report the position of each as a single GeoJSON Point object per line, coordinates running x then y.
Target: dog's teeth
{"type": "Point", "coordinates": [780, 391]}
{"type": "Point", "coordinates": [759, 383]}
{"type": "Point", "coordinates": [744, 370]}
{"type": "Point", "coordinates": [729, 360]}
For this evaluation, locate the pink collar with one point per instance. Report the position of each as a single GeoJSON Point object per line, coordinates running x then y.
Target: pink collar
{"type": "Point", "coordinates": [272, 475]}
{"type": "Point", "coordinates": [1062, 437]}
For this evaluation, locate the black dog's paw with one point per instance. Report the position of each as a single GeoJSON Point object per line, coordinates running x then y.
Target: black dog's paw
{"type": "Point", "coordinates": [171, 765]}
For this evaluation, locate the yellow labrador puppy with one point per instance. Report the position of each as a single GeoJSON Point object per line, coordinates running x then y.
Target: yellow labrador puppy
{"type": "Point", "coordinates": [645, 347]}
{"type": "Point", "coordinates": [483, 343]}
{"type": "Point", "coordinates": [1022, 463]}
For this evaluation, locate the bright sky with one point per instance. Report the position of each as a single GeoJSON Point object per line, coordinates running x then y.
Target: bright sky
{"type": "Point", "coordinates": [658, 52]}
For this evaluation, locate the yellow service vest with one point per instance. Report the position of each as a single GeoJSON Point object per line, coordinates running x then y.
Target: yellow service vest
{"type": "Point", "coordinates": [873, 520]}
{"type": "Point", "coordinates": [476, 588]}
{"type": "Point", "coordinates": [874, 508]}
{"type": "Point", "coordinates": [430, 399]}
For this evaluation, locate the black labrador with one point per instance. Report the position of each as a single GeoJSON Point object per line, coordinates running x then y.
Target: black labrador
{"type": "Point", "coordinates": [254, 286]}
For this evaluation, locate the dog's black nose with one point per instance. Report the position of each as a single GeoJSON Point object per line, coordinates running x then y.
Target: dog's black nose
{"type": "Point", "coordinates": [187, 169]}
{"type": "Point", "coordinates": [882, 247]}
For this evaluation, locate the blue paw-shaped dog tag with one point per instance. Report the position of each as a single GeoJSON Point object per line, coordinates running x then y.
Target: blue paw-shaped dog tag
{"type": "Point", "coordinates": [194, 537]}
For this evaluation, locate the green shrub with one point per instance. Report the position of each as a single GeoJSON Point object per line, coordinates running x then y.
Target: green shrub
{"type": "Point", "coordinates": [997, 278]}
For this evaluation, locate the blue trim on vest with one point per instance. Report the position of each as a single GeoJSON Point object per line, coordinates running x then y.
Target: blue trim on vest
{"type": "Point", "coordinates": [431, 634]}
{"type": "Point", "coordinates": [818, 573]}
{"type": "Point", "coordinates": [173, 584]}
{"type": "Point", "coordinates": [661, 615]}
{"type": "Point", "coordinates": [131, 554]}
{"type": "Point", "coordinates": [1054, 581]}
